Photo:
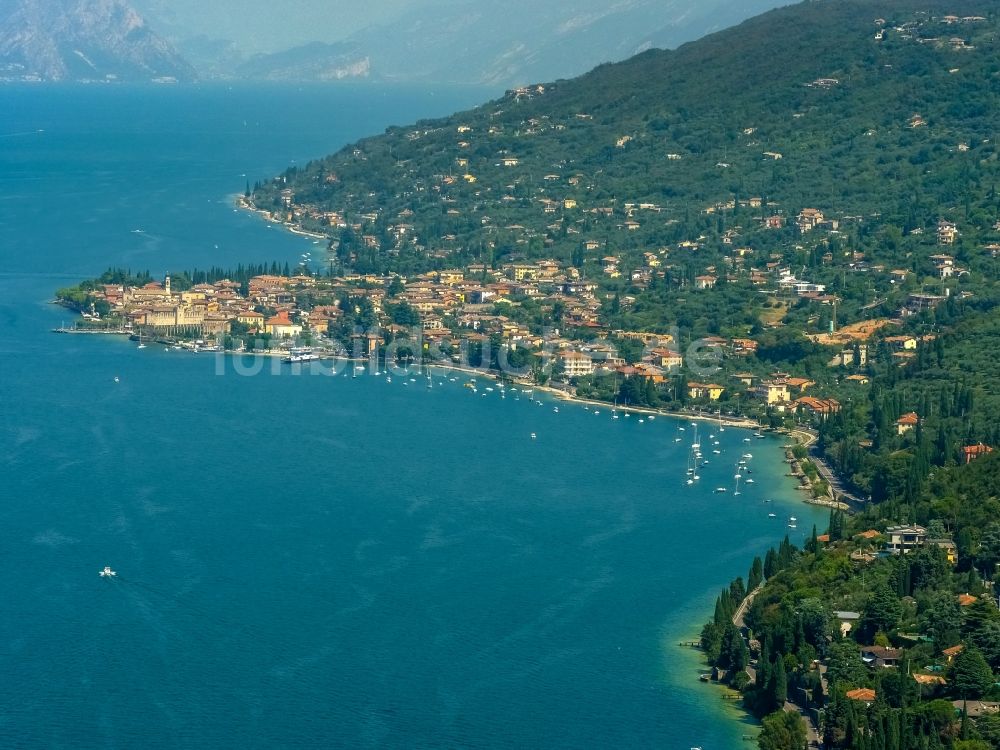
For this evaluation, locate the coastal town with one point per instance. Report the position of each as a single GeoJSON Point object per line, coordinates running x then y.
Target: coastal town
{"type": "Point", "coordinates": [543, 311]}
{"type": "Point", "coordinates": [551, 322]}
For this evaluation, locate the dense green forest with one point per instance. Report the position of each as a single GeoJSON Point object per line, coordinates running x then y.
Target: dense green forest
{"type": "Point", "coordinates": [917, 606]}
{"type": "Point", "coordinates": [685, 131]}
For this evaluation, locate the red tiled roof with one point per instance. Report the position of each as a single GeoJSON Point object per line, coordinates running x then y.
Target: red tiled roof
{"type": "Point", "coordinates": [861, 694]}
{"type": "Point", "coordinates": [976, 450]}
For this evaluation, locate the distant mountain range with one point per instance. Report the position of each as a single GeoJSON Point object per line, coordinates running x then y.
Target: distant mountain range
{"type": "Point", "coordinates": [510, 43]}
{"type": "Point", "coordinates": [83, 40]}
{"type": "Point", "coordinates": [434, 41]}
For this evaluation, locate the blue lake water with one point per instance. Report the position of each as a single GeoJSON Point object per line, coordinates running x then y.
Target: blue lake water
{"type": "Point", "coordinates": [311, 561]}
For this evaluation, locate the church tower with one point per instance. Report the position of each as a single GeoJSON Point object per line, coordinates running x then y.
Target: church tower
{"type": "Point", "coordinates": [166, 285]}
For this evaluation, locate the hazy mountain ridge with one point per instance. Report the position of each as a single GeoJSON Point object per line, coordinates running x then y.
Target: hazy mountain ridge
{"type": "Point", "coordinates": [314, 62]}
{"type": "Point", "coordinates": [82, 40]}
{"type": "Point", "coordinates": [471, 42]}
{"type": "Point", "coordinates": [433, 41]}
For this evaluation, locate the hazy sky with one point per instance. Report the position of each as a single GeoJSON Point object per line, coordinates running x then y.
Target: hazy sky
{"type": "Point", "coordinates": [266, 25]}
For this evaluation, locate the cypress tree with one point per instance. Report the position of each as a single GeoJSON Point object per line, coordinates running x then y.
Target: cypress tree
{"type": "Point", "coordinates": [737, 592]}
{"type": "Point", "coordinates": [764, 668]}
{"type": "Point", "coordinates": [720, 614]}
{"type": "Point", "coordinates": [892, 731]}
{"type": "Point", "coordinates": [756, 575]}
{"type": "Point", "coordinates": [770, 564]}
{"type": "Point", "coordinates": [780, 682]}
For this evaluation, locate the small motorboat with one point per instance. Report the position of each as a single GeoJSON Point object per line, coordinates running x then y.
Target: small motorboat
{"type": "Point", "coordinates": [107, 572]}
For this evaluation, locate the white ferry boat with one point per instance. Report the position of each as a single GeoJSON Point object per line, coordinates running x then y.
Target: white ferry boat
{"type": "Point", "coordinates": [301, 354]}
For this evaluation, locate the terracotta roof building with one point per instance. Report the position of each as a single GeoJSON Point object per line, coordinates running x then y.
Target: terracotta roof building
{"type": "Point", "coordinates": [907, 422]}
{"type": "Point", "coordinates": [972, 452]}
{"type": "Point", "coordinates": [861, 694]}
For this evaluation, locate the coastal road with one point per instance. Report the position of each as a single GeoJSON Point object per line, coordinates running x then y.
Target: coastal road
{"type": "Point", "coordinates": [812, 733]}
{"type": "Point", "coordinates": [836, 486]}
{"type": "Point", "coordinates": [744, 606]}
{"type": "Point", "coordinates": [808, 438]}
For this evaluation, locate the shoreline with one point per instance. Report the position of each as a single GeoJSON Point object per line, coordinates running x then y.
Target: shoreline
{"type": "Point", "coordinates": [681, 644]}
{"type": "Point", "coordinates": [242, 202]}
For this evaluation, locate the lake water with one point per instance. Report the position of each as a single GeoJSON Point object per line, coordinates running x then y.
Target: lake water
{"type": "Point", "coordinates": [311, 561]}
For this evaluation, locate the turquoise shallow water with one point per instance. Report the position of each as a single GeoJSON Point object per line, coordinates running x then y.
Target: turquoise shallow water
{"type": "Point", "coordinates": [310, 561]}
